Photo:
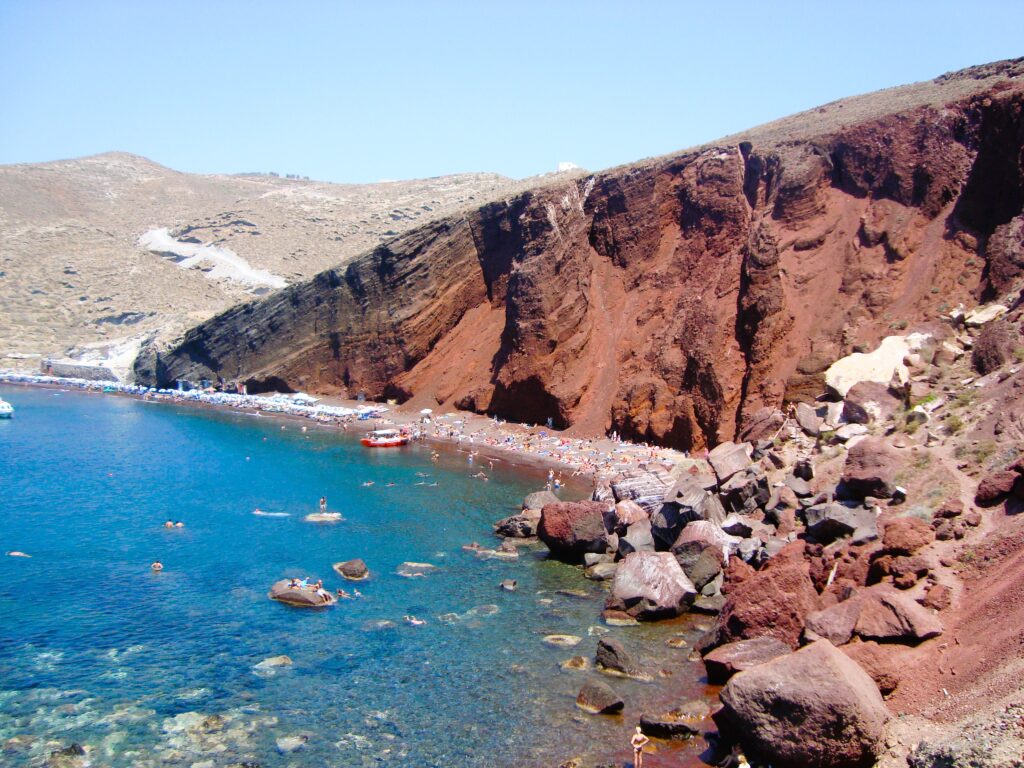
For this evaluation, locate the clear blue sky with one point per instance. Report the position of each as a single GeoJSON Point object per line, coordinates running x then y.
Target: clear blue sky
{"type": "Point", "coordinates": [363, 91]}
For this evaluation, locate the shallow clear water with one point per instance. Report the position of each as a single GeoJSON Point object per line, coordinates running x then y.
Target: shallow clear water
{"type": "Point", "coordinates": [154, 669]}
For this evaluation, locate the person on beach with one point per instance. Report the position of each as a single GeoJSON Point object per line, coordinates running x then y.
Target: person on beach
{"type": "Point", "coordinates": [323, 503]}
{"type": "Point", "coordinates": [638, 741]}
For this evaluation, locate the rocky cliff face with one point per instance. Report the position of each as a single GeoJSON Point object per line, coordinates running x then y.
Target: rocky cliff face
{"type": "Point", "coordinates": [673, 299]}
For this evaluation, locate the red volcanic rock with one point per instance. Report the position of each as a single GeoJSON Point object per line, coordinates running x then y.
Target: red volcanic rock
{"type": "Point", "coordinates": [997, 486]}
{"type": "Point", "coordinates": [570, 529]}
{"type": "Point", "coordinates": [871, 467]}
{"type": "Point", "coordinates": [835, 623]}
{"type": "Point", "coordinates": [772, 601]}
{"type": "Point", "coordinates": [887, 615]}
{"type": "Point", "coordinates": [938, 596]}
{"type": "Point", "coordinates": [906, 535]}
{"type": "Point", "coordinates": [869, 401]}
{"type": "Point", "coordinates": [815, 707]}
{"type": "Point", "coordinates": [726, 660]}
{"type": "Point", "coordinates": [878, 661]}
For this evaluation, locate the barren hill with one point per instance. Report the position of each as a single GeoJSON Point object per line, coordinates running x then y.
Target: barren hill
{"type": "Point", "coordinates": [673, 299]}
{"type": "Point", "coordinates": [107, 249]}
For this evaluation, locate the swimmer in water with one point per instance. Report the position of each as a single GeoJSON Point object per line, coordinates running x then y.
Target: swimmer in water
{"type": "Point", "coordinates": [179, 524]}
{"type": "Point", "coordinates": [169, 524]}
{"type": "Point", "coordinates": [390, 485]}
{"type": "Point", "coordinates": [638, 742]}
{"type": "Point", "coordinates": [157, 566]}
{"type": "Point", "coordinates": [414, 622]}
{"type": "Point", "coordinates": [368, 483]}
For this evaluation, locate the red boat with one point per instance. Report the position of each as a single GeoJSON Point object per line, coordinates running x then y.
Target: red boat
{"type": "Point", "coordinates": [384, 438]}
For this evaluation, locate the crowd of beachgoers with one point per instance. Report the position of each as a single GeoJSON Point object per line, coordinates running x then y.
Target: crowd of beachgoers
{"type": "Point", "coordinates": [471, 433]}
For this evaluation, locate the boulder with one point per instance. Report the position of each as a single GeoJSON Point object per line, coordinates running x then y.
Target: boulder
{"type": "Point", "coordinates": [521, 526]}
{"type": "Point", "coordinates": [299, 597]}
{"type": "Point", "coordinates": [700, 535]}
{"type": "Point", "coordinates": [601, 571]}
{"type": "Point", "coordinates": [882, 366]}
{"type": "Point", "coordinates": [763, 424]}
{"type": "Point", "coordinates": [745, 491]}
{"type": "Point", "coordinates": [869, 401]}
{"type": "Point", "coordinates": [538, 499]}
{"type": "Point", "coordinates": [623, 515]}
{"type": "Point", "coordinates": [726, 660]}
{"type": "Point", "coordinates": [677, 724]}
{"type": "Point", "coordinates": [815, 707]}
{"type": "Point", "coordinates": [509, 585]}
{"type": "Point", "coordinates": [878, 661]}
{"type": "Point", "coordinates": [728, 458]}
{"type": "Point", "coordinates": [831, 521]}
{"type": "Point", "coordinates": [938, 597]}
{"type": "Point", "coordinates": [597, 698]}
{"type": "Point", "coordinates": [354, 570]}
{"type": "Point", "coordinates": [906, 535]}
{"type": "Point", "coordinates": [612, 658]}
{"type": "Point", "coordinates": [835, 623]}
{"type": "Point", "coordinates": [997, 486]}
{"type": "Point", "coordinates": [704, 569]}
{"type": "Point", "coordinates": [800, 487]}
{"type": "Point", "coordinates": [978, 316]}
{"type": "Point", "coordinates": [688, 501]}
{"type": "Point", "coordinates": [646, 487]}
{"type": "Point", "coordinates": [652, 585]}
{"type": "Point", "coordinates": [572, 528]}
{"type": "Point", "coordinates": [808, 419]}
{"type": "Point", "coordinates": [288, 744]}
{"type": "Point", "coordinates": [847, 432]}
{"type": "Point", "coordinates": [638, 538]}
{"type": "Point", "coordinates": [870, 469]}
{"type": "Point", "coordinates": [772, 601]}
{"type": "Point", "coordinates": [887, 615]}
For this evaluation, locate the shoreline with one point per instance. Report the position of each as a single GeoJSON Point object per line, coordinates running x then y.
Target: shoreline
{"type": "Point", "coordinates": [586, 459]}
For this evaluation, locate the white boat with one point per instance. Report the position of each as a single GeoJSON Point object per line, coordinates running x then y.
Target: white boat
{"type": "Point", "coordinates": [6, 409]}
{"type": "Point", "coordinates": [384, 438]}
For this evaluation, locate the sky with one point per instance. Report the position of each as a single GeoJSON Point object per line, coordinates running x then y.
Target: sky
{"type": "Point", "coordinates": [359, 92]}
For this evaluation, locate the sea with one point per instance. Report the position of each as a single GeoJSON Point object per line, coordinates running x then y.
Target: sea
{"type": "Point", "coordinates": [141, 668]}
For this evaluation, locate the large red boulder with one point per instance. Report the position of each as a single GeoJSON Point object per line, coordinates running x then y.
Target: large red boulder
{"type": "Point", "coordinates": [772, 601]}
{"type": "Point", "coordinates": [890, 616]}
{"type": "Point", "coordinates": [906, 535]}
{"type": "Point", "coordinates": [815, 707]}
{"type": "Point", "coordinates": [570, 529]}
{"type": "Point", "coordinates": [870, 470]}
{"type": "Point", "coordinates": [997, 486]}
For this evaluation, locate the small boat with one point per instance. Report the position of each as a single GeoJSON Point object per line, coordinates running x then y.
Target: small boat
{"type": "Point", "coordinates": [6, 409]}
{"type": "Point", "coordinates": [384, 438]}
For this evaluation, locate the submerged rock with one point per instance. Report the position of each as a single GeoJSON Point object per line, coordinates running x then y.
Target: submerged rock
{"type": "Point", "coordinates": [597, 698]}
{"type": "Point", "coordinates": [415, 570]}
{"type": "Point", "coordinates": [563, 641]}
{"type": "Point", "coordinates": [612, 658]}
{"type": "Point", "coordinates": [273, 662]}
{"type": "Point", "coordinates": [677, 724]}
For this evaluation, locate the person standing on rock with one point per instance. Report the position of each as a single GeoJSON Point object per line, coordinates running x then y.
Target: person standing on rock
{"type": "Point", "coordinates": [638, 741]}
{"type": "Point", "coordinates": [323, 503]}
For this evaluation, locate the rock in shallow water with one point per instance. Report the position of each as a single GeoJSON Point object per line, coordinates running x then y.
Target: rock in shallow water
{"type": "Point", "coordinates": [598, 698]}
{"type": "Point", "coordinates": [354, 570]}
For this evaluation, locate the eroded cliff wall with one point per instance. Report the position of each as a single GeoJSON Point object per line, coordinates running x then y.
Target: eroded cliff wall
{"type": "Point", "coordinates": [669, 300]}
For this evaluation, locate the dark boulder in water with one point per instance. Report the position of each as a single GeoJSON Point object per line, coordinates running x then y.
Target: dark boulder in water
{"type": "Point", "coordinates": [354, 570]}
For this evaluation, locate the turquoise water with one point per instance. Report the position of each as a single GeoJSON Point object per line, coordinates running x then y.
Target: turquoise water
{"type": "Point", "coordinates": [159, 669]}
